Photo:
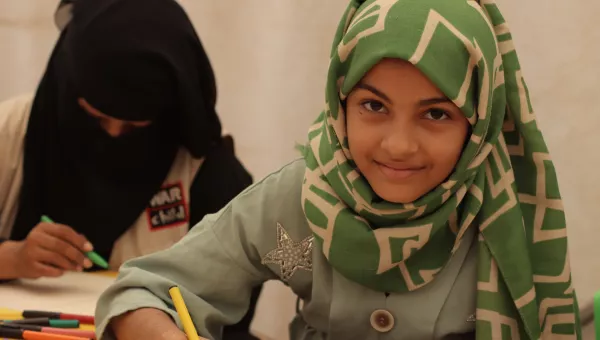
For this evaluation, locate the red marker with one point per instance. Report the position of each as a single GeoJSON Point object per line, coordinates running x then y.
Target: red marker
{"type": "Point", "coordinates": [85, 319]}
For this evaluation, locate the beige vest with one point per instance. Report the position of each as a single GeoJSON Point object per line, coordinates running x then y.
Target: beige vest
{"type": "Point", "coordinates": [166, 218]}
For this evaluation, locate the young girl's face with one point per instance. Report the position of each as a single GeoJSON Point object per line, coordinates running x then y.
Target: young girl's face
{"type": "Point", "coordinates": [404, 134]}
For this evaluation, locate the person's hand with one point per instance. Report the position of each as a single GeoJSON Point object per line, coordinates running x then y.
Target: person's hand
{"type": "Point", "coordinates": [49, 250]}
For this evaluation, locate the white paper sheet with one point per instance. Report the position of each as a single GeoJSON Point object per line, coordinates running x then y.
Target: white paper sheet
{"type": "Point", "coordinates": [71, 293]}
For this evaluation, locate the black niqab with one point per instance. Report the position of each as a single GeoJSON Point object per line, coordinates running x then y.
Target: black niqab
{"type": "Point", "coordinates": [134, 60]}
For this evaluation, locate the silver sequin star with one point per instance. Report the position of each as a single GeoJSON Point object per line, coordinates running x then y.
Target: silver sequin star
{"type": "Point", "coordinates": [290, 255]}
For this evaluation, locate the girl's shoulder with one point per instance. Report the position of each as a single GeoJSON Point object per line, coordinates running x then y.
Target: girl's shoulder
{"type": "Point", "coordinates": [266, 221]}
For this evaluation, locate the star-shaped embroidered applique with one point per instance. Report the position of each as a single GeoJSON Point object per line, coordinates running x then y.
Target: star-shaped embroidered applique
{"type": "Point", "coordinates": [290, 255]}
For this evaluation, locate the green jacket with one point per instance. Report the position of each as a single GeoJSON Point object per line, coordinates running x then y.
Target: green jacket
{"type": "Point", "coordinates": [263, 235]}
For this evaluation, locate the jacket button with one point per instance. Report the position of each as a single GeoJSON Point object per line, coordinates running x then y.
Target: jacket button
{"type": "Point", "coordinates": [382, 321]}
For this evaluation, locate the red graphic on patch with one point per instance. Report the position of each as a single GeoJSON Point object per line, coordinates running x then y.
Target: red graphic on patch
{"type": "Point", "coordinates": [168, 208]}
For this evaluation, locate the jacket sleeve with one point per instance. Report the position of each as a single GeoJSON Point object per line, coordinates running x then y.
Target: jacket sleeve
{"type": "Point", "coordinates": [221, 178]}
{"type": "Point", "coordinates": [216, 265]}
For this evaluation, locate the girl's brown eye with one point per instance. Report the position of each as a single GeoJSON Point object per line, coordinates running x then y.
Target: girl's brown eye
{"type": "Point", "coordinates": [437, 114]}
{"type": "Point", "coordinates": [374, 106]}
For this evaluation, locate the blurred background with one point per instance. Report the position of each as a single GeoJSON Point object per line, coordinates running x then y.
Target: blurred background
{"type": "Point", "coordinates": [271, 56]}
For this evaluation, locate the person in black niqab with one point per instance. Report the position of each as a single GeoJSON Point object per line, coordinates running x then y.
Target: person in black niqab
{"type": "Point", "coordinates": [127, 85]}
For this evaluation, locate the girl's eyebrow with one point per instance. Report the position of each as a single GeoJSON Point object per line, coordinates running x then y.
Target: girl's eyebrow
{"type": "Point", "coordinates": [373, 90]}
{"type": "Point", "coordinates": [431, 101]}
{"type": "Point", "coordinates": [379, 93]}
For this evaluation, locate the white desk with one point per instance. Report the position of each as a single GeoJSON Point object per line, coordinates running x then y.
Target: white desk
{"type": "Point", "coordinates": [71, 293]}
{"type": "Point", "coordinates": [75, 293]}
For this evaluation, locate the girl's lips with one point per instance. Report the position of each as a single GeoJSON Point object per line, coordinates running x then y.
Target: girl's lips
{"type": "Point", "coordinates": [395, 172]}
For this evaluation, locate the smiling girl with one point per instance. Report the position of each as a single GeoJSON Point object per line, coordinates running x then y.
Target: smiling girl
{"type": "Point", "coordinates": [426, 205]}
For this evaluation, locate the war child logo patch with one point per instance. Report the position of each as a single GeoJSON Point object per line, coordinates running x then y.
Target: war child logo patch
{"type": "Point", "coordinates": [168, 208]}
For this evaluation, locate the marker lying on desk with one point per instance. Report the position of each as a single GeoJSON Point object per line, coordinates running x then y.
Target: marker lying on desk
{"type": "Point", "coordinates": [46, 322]}
{"type": "Point", "coordinates": [12, 333]}
{"type": "Point", "coordinates": [61, 331]}
{"type": "Point", "coordinates": [85, 319]}
{"type": "Point", "coordinates": [93, 256]}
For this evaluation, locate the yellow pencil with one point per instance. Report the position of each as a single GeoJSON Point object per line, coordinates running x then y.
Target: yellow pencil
{"type": "Point", "coordinates": [184, 315]}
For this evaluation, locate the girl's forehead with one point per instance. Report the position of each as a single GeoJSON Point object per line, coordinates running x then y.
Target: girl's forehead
{"type": "Point", "coordinates": [399, 74]}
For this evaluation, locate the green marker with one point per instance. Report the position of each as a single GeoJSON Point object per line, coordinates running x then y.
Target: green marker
{"type": "Point", "coordinates": [46, 219]}
{"type": "Point", "coordinates": [93, 256]}
{"type": "Point", "coordinates": [97, 259]}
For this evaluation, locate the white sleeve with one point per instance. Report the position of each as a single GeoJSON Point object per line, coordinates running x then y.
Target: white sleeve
{"type": "Point", "coordinates": [63, 14]}
{"type": "Point", "coordinates": [14, 115]}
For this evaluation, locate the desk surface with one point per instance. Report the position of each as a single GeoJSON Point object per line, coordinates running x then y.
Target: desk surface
{"type": "Point", "coordinates": [71, 293]}
{"type": "Point", "coordinates": [75, 293]}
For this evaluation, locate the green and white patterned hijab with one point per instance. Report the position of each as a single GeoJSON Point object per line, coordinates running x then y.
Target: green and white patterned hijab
{"type": "Point", "coordinates": [504, 183]}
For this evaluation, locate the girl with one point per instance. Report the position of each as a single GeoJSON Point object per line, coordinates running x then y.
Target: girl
{"type": "Point", "coordinates": [426, 205]}
{"type": "Point", "coordinates": [121, 145]}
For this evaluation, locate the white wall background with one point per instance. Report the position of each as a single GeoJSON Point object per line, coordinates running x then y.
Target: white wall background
{"type": "Point", "coordinates": [271, 56]}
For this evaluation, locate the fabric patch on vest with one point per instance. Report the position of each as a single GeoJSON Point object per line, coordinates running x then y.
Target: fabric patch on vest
{"type": "Point", "coordinates": [168, 207]}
